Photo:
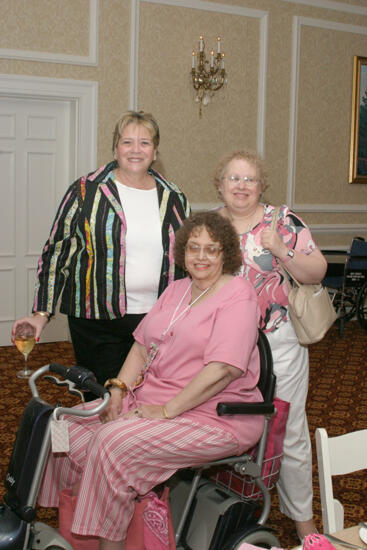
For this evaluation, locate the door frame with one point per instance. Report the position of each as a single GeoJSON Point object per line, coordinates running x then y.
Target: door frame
{"type": "Point", "coordinates": [83, 96]}
{"type": "Point", "coordinates": [83, 99]}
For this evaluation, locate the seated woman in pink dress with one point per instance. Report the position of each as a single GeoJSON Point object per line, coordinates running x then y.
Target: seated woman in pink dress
{"type": "Point", "coordinates": [195, 348]}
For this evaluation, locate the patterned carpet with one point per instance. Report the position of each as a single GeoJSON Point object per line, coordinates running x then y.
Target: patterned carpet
{"type": "Point", "coordinates": [337, 401]}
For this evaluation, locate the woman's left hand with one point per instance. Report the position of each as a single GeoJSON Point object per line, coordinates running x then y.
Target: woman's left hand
{"type": "Point", "coordinates": [146, 411]}
{"type": "Point", "coordinates": [270, 240]}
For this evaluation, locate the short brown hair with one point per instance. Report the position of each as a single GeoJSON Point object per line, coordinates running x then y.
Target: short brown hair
{"type": "Point", "coordinates": [220, 230]}
{"type": "Point", "coordinates": [133, 117]}
{"type": "Point", "coordinates": [249, 156]}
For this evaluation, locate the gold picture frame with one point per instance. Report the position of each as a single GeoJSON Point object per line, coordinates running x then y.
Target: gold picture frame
{"type": "Point", "coordinates": [358, 142]}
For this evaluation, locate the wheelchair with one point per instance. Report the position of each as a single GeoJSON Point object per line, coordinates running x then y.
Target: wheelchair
{"type": "Point", "coordinates": [347, 283]}
{"type": "Point", "coordinates": [207, 513]}
{"type": "Point", "coordinates": [206, 516]}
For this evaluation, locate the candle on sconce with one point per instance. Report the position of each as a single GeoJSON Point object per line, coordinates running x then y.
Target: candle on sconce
{"type": "Point", "coordinates": [208, 74]}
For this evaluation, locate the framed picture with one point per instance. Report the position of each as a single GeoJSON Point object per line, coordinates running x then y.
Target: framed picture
{"type": "Point", "coordinates": [358, 142]}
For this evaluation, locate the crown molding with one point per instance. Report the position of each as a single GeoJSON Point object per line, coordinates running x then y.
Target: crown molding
{"type": "Point", "coordinates": [261, 15]}
{"type": "Point", "coordinates": [298, 22]}
{"type": "Point", "coordinates": [51, 57]}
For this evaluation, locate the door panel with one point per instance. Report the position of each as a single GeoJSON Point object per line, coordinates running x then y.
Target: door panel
{"type": "Point", "coordinates": [35, 166]}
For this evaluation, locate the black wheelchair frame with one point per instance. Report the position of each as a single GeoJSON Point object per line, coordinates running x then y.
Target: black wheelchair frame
{"type": "Point", "coordinates": [347, 283]}
{"type": "Point", "coordinates": [231, 530]}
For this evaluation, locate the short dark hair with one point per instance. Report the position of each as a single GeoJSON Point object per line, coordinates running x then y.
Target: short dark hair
{"type": "Point", "coordinates": [133, 117]}
{"type": "Point", "coordinates": [220, 229]}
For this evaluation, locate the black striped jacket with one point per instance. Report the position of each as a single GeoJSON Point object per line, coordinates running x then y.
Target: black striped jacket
{"type": "Point", "coordinates": [84, 256]}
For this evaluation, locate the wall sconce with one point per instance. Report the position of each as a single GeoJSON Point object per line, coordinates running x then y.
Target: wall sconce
{"type": "Point", "coordinates": [208, 76]}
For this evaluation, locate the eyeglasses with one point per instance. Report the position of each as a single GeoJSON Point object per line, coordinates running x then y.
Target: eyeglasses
{"type": "Point", "coordinates": [209, 250]}
{"type": "Point", "coordinates": [235, 180]}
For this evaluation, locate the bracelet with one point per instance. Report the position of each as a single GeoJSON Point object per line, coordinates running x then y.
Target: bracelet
{"type": "Point", "coordinates": [164, 410]}
{"type": "Point", "coordinates": [117, 384]}
{"type": "Point", "coordinates": [289, 256]}
{"type": "Point", "coordinates": [42, 314]}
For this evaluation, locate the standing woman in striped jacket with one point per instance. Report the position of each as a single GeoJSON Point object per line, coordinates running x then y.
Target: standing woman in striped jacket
{"type": "Point", "coordinates": [110, 251]}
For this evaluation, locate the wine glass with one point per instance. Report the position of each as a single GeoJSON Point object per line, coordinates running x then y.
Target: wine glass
{"type": "Point", "coordinates": [24, 339]}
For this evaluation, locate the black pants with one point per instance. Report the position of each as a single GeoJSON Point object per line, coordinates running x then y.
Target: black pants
{"type": "Point", "coordinates": [102, 345]}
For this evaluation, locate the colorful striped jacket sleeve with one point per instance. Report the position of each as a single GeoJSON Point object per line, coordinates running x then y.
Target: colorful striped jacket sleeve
{"type": "Point", "coordinates": [84, 257]}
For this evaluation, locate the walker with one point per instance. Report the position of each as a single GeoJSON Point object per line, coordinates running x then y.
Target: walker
{"type": "Point", "coordinates": [19, 529]}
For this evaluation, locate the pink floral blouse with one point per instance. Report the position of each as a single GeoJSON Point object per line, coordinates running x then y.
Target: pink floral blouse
{"type": "Point", "coordinates": [261, 268]}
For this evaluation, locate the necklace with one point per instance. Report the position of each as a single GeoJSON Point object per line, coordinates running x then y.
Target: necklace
{"type": "Point", "coordinates": [174, 319]}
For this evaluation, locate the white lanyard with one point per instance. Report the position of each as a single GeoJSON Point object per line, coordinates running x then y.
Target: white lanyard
{"type": "Point", "coordinates": [173, 318]}
{"type": "Point", "coordinates": [153, 348]}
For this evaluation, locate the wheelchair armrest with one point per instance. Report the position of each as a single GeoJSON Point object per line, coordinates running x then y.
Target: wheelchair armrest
{"type": "Point", "coordinates": [244, 408]}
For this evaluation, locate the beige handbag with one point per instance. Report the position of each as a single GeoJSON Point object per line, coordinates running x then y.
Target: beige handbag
{"type": "Point", "coordinates": [310, 308]}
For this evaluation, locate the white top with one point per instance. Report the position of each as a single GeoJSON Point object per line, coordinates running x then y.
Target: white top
{"type": "Point", "coordinates": [144, 249]}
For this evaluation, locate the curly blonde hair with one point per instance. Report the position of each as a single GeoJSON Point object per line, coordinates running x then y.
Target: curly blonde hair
{"type": "Point", "coordinates": [220, 230]}
{"type": "Point", "coordinates": [249, 156]}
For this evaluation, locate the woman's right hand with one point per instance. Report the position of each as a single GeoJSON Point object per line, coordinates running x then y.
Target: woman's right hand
{"type": "Point", "coordinates": [37, 321]}
{"type": "Point", "coordinates": [114, 407]}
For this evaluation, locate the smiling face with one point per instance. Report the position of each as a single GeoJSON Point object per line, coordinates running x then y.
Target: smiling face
{"type": "Point", "coordinates": [203, 258]}
{"type": "Point", "coordinates": [135, 150]}
{"type": "Point", "coordinates": [240, 196]}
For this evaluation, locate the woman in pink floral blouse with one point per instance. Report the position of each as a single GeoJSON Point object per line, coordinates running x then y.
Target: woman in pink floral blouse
{"type": "Point", "coordinates": [241, 179]}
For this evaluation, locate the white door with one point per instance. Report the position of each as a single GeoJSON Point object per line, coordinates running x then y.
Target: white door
{"type": "Point", "coordinates": [36, 166]}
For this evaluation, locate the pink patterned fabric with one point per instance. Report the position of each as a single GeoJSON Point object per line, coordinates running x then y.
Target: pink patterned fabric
{"type": "Point", "coordinates": [316, 541]}
{"type": "Point", "coordinates": [260, 266]}
{"type": "Point", "coordinates": [155, 518]}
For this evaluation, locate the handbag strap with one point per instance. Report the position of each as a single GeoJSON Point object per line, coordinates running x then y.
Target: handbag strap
{"type": "Point", "coordinates": [273, 227]}
{"type": "Point", "coordinates": [274, 221]}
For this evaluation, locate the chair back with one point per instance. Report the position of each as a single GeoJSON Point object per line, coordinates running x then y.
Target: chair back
{"type": "Point", "coordinates": [339, 455]}
{"type": "Point", "coordinates": [266, 383]}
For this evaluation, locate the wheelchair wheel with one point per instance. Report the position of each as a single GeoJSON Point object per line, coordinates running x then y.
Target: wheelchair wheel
{"type": "Point", "coordinates": [362, 306]}
{"type": "Point", "coordinates": [262, 537]}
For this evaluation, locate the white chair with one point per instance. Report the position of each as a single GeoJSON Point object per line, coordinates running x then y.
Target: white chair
{"type": "Point", "coordinates": [337, 456]}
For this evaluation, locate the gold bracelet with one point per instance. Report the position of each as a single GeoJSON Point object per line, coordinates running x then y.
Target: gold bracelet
{"type": "Point", "coordinates": [165, 412]}
{"type": "Point", "coordinates": [42, 314]}
{"type": "Point", "coordinates": [117, 384]}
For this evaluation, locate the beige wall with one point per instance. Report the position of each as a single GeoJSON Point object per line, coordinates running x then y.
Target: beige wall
{"type": "Point", "coordinates": [305, 132]}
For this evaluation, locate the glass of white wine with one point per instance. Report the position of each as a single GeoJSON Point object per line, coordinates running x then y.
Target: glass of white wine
{"type": "Point", "coordinates": [24, 339]}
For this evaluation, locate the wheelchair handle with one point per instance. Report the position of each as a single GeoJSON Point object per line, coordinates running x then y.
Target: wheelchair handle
{"type": "Point", "coordinates": [82, 378]}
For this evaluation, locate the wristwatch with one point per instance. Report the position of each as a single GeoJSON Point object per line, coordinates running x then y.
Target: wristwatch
{"type": "Point", "coordinates": [289, 256]}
